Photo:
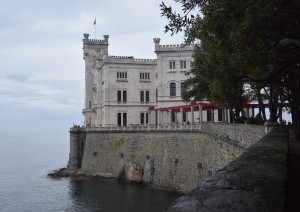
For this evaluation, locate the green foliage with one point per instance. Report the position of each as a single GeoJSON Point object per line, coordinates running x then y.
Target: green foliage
{"type": "Point", "coordinates": [239, 42]}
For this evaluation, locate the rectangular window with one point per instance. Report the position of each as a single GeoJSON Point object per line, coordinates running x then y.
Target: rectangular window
{"type": "Point", "coordinates": [144, 76]}
{"type": "Point", "coordinates": [142, 118]}
{"type": "Point", "coordinates": [124, 96]}
{"type": "Point", "coordinates": [220, 114]}
{"type": "Point", "coordinates": [183, 64]}
{"type": "Point", "coordinates": [119, 96]}
{"type": "Point", "coordinates": [172, 64]}
{"type": "Point", "coordinates": [121, 75]}
{"type": "Point", "coordinates": [210, 115]}
{"type": "Point", "coordinates": [142, 96]}
{"type": "Point", "coordinates": [147, 96]}
{"type": "Point", "coordinates": [90, 104]}
{"type": "Point", "coordinates": [184, 117]}
{"type": "Point", "coordinates": [119, 119]}
{"type": "Point", "coordinates": [147, 121]}
{"type": "Point", "coordinates": [173, 117]}
{"type": "Point", "coordinates": [172, 89]}
{"type": "Point", "coordinates": [124, 119]}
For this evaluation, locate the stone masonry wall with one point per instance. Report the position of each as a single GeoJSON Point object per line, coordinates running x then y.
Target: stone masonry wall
{"type": "Point", "coordinates": [177, 160]}
{"type": "Point", "coordinates": [255, 181]}
{"type": "Point", "coordinates": [244, 135]}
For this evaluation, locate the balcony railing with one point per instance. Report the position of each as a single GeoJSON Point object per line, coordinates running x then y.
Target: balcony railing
{"type": "Point", "coordinates": [136, 127]}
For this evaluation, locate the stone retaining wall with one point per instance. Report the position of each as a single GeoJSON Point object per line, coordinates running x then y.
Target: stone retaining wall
{"type": "Point", "coordinates": [244, 134]}
{"type": "Point", "coordinates": [178, 160]}
{"type": "Point", "coordinates": [255, 181]}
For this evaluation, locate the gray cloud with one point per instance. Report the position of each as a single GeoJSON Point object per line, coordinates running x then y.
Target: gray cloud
{"type": "Point", "coordinates": [41, 68]}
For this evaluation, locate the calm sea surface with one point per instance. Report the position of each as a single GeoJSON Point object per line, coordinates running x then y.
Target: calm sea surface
{"type": "Point", "coordinates": [25, 161]}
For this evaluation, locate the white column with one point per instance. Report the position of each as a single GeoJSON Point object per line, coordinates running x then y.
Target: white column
{"type": "Point", "coordinates": [181, 113]}
{"type": "Point", "coordinates": [200, 114]}
{"type": "Point", "coordinates": [170, 116]}
{"type": "Point", "coordinates": [192, 113]}
{"type": "Point", "coordinates": [158, 118]}
{"type": "Point", "coordinates": [226, 115]}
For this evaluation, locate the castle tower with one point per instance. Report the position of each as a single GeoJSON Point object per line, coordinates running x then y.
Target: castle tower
{"type": "Point", "coordinates": [94, 51]}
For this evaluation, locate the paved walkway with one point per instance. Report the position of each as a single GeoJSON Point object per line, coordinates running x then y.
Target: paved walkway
{"type": "Point", "coordinates": [293, 184]}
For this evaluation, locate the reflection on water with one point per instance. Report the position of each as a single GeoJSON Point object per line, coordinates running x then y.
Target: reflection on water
{"type": "Point", "coordinates": [107, 195]}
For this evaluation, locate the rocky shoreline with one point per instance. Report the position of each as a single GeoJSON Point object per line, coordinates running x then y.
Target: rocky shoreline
{"type": "Point", "coordinates": [66, 173]}
{"type": "Point", "coordinates": [79, 175]}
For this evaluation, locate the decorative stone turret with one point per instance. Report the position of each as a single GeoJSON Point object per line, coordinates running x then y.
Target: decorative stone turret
{"type": "Point", "coordinates": [156, 41]}
{"type": "Point", "coordinates": [106, 37]}
{"type": "Point", "coordinates": [86, 37]}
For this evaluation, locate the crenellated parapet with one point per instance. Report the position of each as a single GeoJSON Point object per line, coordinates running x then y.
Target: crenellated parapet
{"type": "Point", "coordinates": [128, 59]}
{"type": "Point", "coordinates": [95, 47]}
{"type": "Point", "coordinates": [86, 40]}
{"type": "Point", "coordinates": [172, 47]}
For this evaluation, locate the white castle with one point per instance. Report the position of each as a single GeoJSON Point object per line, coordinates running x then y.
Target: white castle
{"type": "Point", "coordinates": [124, 91]}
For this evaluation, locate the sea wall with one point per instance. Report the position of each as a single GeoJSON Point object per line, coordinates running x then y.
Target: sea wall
{"type": "Point", "coordinates": [244, 134]}
{"type": "Point", "coordinates": [177, 160]}
{"type": "Point", "coordinates": [255, 181]}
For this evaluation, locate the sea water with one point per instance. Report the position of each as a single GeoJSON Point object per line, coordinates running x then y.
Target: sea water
{"type": "Point", "coordinates": [27, 158]}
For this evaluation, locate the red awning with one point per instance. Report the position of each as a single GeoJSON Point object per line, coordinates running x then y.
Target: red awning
{"type": "Point", "coordinates": [205, 106]}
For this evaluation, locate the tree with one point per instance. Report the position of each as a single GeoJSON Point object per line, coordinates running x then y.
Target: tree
{"type": "Point", "coordinates": [238, 43]}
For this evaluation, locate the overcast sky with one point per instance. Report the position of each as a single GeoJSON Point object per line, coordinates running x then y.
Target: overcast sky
{"type": "Point", "coordinates": [41, 67]}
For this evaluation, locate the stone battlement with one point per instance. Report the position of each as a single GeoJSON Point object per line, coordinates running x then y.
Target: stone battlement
{"type": "Point", "coordinates": [174, 47]}
{"type": "Point", "coordinates": [131, 59]}
{"type": "Point", "coordinates": [86, 40]}
{"type": "Point", "coordinates": [171, 47]}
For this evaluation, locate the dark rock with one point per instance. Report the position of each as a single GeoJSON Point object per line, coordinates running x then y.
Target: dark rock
{"type": "Point", "coordinates": [253, 182]}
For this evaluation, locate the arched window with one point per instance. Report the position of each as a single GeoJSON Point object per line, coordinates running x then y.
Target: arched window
{"type": "Point", "coordinates": [172, 89]}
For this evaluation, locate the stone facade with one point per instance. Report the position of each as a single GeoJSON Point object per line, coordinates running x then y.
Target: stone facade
{"type": "Point", "coordinates": [173, 159]}
{"type": "Point", "coordinates": [120, 89]}
{"type": "Point", "coordinates": [125, 91]}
